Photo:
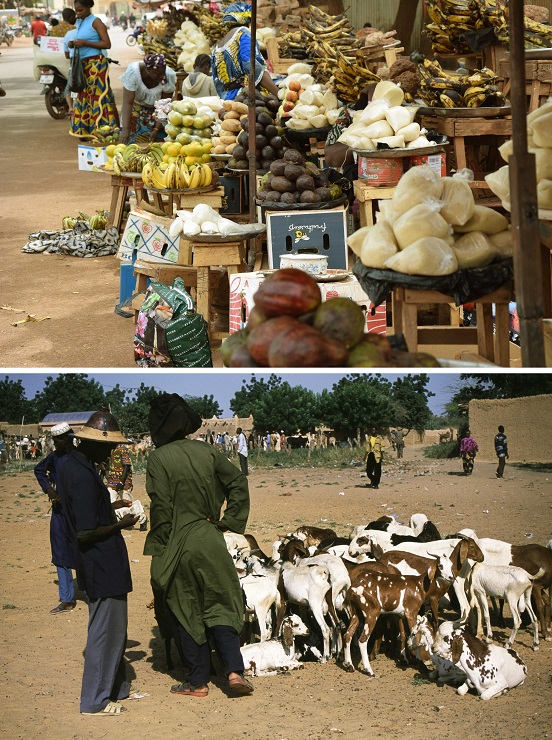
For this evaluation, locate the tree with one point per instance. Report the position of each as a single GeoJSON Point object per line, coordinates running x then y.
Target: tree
{"type": "Point", "coordinates": [116, 398]}
{"type": "Point", "coordinates": [287, 408]}
{"type": "Point", "coordinates": [68, 392]}
{"type": "Point", "coordinates": [133, 418]}
{"type": "Point", "coordinates": [246, 400]}
{"type": "Point", "coordinates": [411, 395]}
{"type": "Point", "coordinates": [13, 401]}
{"type": "Point", "coordinates": [206, 406]}
{"type": "Point", "coordinates": [359, 402]}
{"type": "Point", "coordinates": [502, 385]}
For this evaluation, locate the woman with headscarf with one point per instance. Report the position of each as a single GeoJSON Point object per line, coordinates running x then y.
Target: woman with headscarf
{"type": "Point", "coordinates": [66, 24]}
{"type": "Point", "coordinates": [196, 589]}
{"type": "Point", "coordinates": [144, 83]}
{"type": "Point", "coordinates": [468, 451]}
{"type": "Point", "coordinates": [231, 58]}
{"type": "Point", "coordinates": [95, 105]}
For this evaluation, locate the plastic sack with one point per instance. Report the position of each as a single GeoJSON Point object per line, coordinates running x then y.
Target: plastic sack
{"type": "Point", "coordinates": [474, 249]}
{"type": "Point", "coordinates": [420, 221]}
{"type": "Point", "coordinates": [544, 194]}
{"type": "Point", "coordinates": [398, 117]}
{"type": "Point", "coordinates": [457, 198]}
{"type": "Point", "coordinates": [389, 91]}
{"type": "Point", "coordinates": [484, 219]}
{"type": "Point", "coordinates": [378, 245]}
{"type": "Point", "coordinates": [415, 186]}
{"type": "Point", "coordinates": [503, 242]}
{"type": "Point", "coordinates": [169, 333]}
{"type": "Point", "coordinates": [374, 112]}
{"type": "Point", "coordinates": [356, 240]}
{"type": "Point", "coordinates": [499, 182]}
{"type": "Point", "coordinates": [542, 130]}
{"type": "Point", "coordinates": [426, 256]}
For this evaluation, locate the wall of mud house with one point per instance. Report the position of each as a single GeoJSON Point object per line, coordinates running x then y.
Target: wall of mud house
{"type": "Point", "coordinates": [527, 423]}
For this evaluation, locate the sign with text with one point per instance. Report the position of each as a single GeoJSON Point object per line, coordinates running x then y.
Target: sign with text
{"type": "Point", "coordinates": [308, 232]}
{"type": "Point", "coordinates": [51, 44]}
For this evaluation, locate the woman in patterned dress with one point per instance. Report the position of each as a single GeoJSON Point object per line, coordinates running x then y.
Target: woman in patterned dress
{"type": "Point", "coordinates": [231, 58]}
{"type": "Point", "coordinates": [468, 451]}
{"type": "Point", "coordinates": [95, 105]}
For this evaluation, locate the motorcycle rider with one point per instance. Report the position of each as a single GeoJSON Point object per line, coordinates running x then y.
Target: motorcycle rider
{"type": "Point", "coordinates": [132, 19]}
{"type": "Point", "coordinates": [123, 21]}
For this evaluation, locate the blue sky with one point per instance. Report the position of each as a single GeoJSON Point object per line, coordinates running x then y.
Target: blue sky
{"type": "Point", "coordinates": [224, 385]}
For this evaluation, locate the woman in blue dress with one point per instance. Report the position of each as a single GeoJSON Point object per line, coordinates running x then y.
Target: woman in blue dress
{"type": "Point", "coordinates": [95, 105]}
{"type": "Point", "coordinates": [231, 58]}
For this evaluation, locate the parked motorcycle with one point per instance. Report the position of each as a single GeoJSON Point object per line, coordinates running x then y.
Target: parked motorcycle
{"type": "Point", "coordinates": [6, 36]}
{"type": "Point", "coordinates": [132, 38]}
{"type": "Point", "coordinates": [17, 30]}
{"type": "Point", "coordinates": [54, 84]}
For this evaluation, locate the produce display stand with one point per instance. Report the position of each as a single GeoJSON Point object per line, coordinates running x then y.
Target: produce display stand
{"type": "Point", "coordinates": [120, 185]}
{"type": "Point", "coordinates": [278, 64]}
{"type": "Point", "coordinates": [469, 137]}
{"type": "Point", "coordinates": [494, 348]}
{"type": "Point", "coordinates": [538, 77]}
{"type": "Point", "coordinates": [379, 56]}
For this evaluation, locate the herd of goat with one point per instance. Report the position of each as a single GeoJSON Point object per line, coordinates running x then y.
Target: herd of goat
{"type": "Point", "coordinates": [384, 587]}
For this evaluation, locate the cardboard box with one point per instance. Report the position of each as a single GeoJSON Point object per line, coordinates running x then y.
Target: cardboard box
{"type": "Point", "coordinates": [244, 285]}
{"type": "Point", "coordinates": [91, 157]}
{"type": "Point", "coordinates": [147, 237]}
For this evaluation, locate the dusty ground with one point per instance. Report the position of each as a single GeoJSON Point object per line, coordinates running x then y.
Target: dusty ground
{"type": "Point", "coordinates": [41, 184]}
{"type": "Point", "coordinates": [41, 659]}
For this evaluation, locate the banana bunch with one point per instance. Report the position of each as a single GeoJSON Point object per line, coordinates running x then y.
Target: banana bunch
{"type": "Point", "coordinates": [68, 222]}
{"type": "Point", "coordinates": [135, 157]}
{"type": "Point", "coordinates": [492, 13]}
{"type": "Point", "coordinates": [331, 42]}
{"type": "Point", "coordinates": [99, 220]}
{"type": "Point", "coordinates": [449, 20]}
{"type": "Point", "coordinates": [438, 88]}
{"type": "Point", "coordinates": [211, 24]}
{"type": "Point", "coordinates": [157, 27]}
{"type": "Point", "coordinates": [165, 46]}
{"type": "Point", "coordinates": [177, 176]}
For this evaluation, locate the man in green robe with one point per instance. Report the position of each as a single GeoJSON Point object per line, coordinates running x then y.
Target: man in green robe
{"type": "Point", "coordinates": [192, 572]}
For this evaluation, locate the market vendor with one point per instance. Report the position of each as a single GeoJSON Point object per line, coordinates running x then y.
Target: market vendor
{"type": "Point", "coordinates": [144, 83]}
{"type": "Point", "coordinates": [199, 84]}
{"type": "Point", "coordinates": [231, 57]}
{"type": "Point", "coordinates": [339, 156]}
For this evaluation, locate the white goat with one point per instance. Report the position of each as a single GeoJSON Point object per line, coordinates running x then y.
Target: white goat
{"type": "Point", "coordinates": [273, 656]}
{"type": "Point", "coordinates": [260, 587]}
{"type": "Point", "coordinates": [490, 669]}
{"type": "Point", "coordinates": [507, 582]}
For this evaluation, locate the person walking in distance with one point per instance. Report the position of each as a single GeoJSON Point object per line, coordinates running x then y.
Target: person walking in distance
{"type": "Point", "coordinates": [103, 570]}
{"type": "Point", "coordinates": [399, 435]}
{"type": "Point", "coordinates": [501, 449]}
{"type": "Point", "coordinates": [242, 450]}
{"type": "Point", "coordinates": [373, 458]}
{"type": "Point", "coordinates": [47, 473]}
{"type": "Point", "coordinates": [468, 451]}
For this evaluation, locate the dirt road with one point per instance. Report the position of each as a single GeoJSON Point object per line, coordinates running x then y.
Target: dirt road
{"type": "Point", "coordinates": [41, 184]}
{"type": "Point", "coordinates": [41, 655]}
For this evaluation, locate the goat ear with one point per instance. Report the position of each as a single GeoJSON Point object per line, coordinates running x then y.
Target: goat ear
{"type": "Point", "coordinates": [463, 553]}
{"type": "Point", "coordinates": [456, 647]}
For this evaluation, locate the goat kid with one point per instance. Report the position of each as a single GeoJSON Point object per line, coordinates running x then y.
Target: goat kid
{"type": "Point", "coordinates": [276, 655]}
{"type": "Point", "coordinates": [490, 669]}
{"type": "Point", "coordinates": [421, 641]}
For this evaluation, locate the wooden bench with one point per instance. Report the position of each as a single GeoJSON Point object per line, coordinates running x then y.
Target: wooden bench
{"type": "Point", "coordinates": [119, 194]}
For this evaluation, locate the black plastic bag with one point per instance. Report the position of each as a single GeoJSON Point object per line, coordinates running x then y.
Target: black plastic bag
{"type": "Point", "coordinates": [464, 286]}
{"type": "Point", "coordinates": [77, 78]}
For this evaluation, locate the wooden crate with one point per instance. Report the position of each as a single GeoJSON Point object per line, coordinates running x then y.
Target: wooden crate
{"type": "Point", "coordinates": [278, 64]}
{"type": "Point", "coordinates": [368, 196]}
{"type": "Point", "coordinates": [538, 81]}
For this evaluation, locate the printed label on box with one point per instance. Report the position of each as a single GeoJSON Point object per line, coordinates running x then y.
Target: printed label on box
{"type": "Point", "coordinates": [91, 157]}
{"type": "Point", "coordinates": [51, 44]}
{"type": "Point", "coordinates": [147, 237]}
{"type": "Point", "coordinates": [243, 287]}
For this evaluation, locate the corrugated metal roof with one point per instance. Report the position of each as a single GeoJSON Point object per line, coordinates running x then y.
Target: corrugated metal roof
{"type": "Point", "coordinates": [75, 417]}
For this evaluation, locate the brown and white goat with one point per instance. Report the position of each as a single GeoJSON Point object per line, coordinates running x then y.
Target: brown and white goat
{"type": "Point", "coordinates": [372, 594]}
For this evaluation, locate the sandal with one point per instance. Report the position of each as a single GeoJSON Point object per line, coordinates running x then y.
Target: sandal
{"type": "Point", "coordinates": [188, 690]}
{"type": "Point", "coordinates": [113, 709]}
{"type": "Point", "coordinates": [240, 685]}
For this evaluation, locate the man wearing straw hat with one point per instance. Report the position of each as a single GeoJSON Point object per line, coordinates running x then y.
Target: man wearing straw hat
{"type": "Point", "coordinates": [47, 473]}
{"type": "Point", "coordinates": [101, 557]}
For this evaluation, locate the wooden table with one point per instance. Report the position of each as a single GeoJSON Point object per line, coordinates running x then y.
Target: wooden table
{"type": "Point", "coordinates": [175, 200]}
{"type": "Point", "coordinates": [120, 186]}
{"type": "Point", "coordinates": [468, 137]}
{"type": "Point", "coordinates": [405, 321]}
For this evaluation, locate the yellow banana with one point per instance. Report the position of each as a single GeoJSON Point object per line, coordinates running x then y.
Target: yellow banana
{"type": "Point", "coordinates": [147, 175]}
{"type": "Point", "coordinates": [195, 178]}
{"type": "Point", "coordinates": [207, 175]}
{"type": "Point", "coordinates": [158, 178]}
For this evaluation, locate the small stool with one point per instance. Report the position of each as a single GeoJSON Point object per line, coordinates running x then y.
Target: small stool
{"type": "Point", "coordinates": [405, 321]}
{"type": "Point", "coordinates": [207, 255]}
{"type": "Point", "coordinates": [119, 192]}
{"type": "Point", "coordinates": [367, 195]}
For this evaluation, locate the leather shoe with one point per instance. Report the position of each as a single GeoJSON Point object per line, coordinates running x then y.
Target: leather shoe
{"type": "Point", "coordinates": [65, 606]}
